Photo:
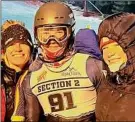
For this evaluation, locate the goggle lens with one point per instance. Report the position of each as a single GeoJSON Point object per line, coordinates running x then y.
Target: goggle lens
{"type": "Point", "coordinates": [44, 33]}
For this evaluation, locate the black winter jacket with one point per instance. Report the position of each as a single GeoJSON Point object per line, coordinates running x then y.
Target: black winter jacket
{"type": "Point", "coordinates": [9, 78]}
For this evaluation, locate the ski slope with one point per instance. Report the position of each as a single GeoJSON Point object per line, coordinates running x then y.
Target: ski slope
{"type": "Point", "coordinates": [24, 11]}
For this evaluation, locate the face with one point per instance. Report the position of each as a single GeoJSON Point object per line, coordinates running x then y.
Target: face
{"type": "Point", "coordinates": [51, 39]}
{"type": "Point", "coordinates": [114, 56]}
{"type": "Point", "coordinates": [18, 54]}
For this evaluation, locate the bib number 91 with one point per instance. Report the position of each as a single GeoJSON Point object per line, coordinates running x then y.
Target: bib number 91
{"type": "Point", "coordinates": [57, 101]}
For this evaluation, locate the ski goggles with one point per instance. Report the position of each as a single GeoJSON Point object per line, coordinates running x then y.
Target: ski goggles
{"type": "Point", "coordinates": [59, 33]}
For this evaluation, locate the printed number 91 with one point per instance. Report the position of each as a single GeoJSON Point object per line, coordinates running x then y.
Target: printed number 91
{"type": "Point", "coordinates": [57, 103]}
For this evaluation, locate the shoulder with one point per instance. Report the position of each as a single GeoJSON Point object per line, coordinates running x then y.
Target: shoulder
{"type": "Point", "coordinates": [5, 68]}
{"type": "Point", "coordinates": [94, 63]}
{"type": "Point", "coordinates": [25, 82]}
{"type": "Point", "coordinates": [94, 67]}
{"type": "Point", "coordinates": [35, 65]}
{"type": "Point", "coordinates": [80, 59]}
{"type": "Point", "coordinates": [81, 56]}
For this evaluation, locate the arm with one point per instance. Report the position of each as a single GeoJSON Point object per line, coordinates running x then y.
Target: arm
{"type": "Point", "coordinates": [26, 103]}
{"type": "Point", "coordinates": [32, 110]}
{"type": "Point", "coordinates": [7, 91]}
{"type": "Point", "coordinates": [19, 101]}
{"type": "Point", "coordinates": [94, 69]}
{"type": "Point", "coordinates": [3, 103]}
{"type": "Point", "coordinates": [3, 95]}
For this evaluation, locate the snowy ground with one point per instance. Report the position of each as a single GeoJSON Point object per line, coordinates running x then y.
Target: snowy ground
{"type": "Point", "coordinates": [25, 12]}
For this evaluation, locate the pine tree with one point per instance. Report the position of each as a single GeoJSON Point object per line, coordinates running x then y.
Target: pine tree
{"type": "Point", "coordinates": [104, 6]}
{"type": "Point", "coordinates": [123, 6]}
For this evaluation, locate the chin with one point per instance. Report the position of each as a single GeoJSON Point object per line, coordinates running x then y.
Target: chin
{"type": "Point", "coordinates": [114, 67]}
{"type": "Point", "coordinates": [19, 63]}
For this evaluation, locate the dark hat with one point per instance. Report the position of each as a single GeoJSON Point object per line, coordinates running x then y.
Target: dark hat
{"type": "Point", "coordinates": [15, 33]}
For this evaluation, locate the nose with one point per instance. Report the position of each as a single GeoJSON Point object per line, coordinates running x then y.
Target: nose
{"type": "Point", "coordinates": [18, 47]}
{"type": "Point", "coordinates": [110, 54]}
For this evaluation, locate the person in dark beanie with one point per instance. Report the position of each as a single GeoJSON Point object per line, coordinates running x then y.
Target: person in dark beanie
{"type": "Point", "coordinates": [116, 94]}
{"type": "Point", "coordinates": [16, 48]}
